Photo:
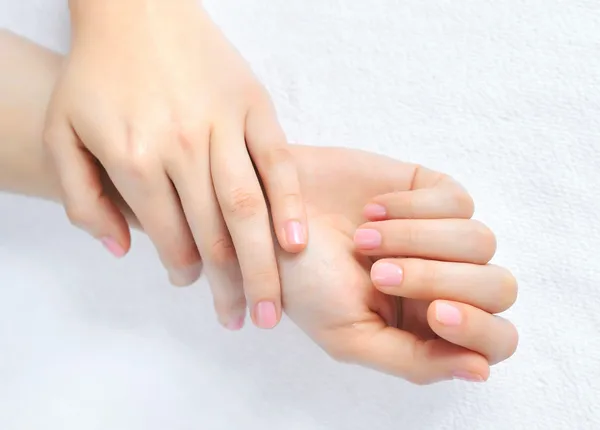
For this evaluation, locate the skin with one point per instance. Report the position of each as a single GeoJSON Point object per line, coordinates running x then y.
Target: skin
{"type": "Point", "coordinates": [435, 323]}
{"type": "Point", "coordinates": [153, 94]}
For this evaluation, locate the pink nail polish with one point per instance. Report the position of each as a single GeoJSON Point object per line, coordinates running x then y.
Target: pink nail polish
{"type": "Point", "coordinates": [466, 376]}
{"type": "Point", "coordinates": [265, 314]}
{"type": "Point", "coordinates": [374, 211]}
{"type": "Point", "coordinates": [113, 247]}
{"type": "Point", "coordinates": [367, 238]}
{"type": "Point", "coordinates": [294, 233]}
{"type": "Point", "coordinates": [235, 324]}
{"type": "Point", "coordinates": [386, 274]}
{"type": "Point", "coordinates": [447, 314]}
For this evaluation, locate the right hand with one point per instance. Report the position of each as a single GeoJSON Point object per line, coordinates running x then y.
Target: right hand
{"type": "Point", "coordinates": [154, 93]}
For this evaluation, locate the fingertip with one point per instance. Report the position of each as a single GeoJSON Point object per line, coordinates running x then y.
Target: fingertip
{"type": "Point", "coordinates": [293, 236]}
{"type": "Point", "coordinates": [386, 276]}
{"type": "Point", "coordinates": [185, 276]}
{"type": "Point", "coordinates": [117, 236]}
{"type": "Point", "coordinates": [443, 315]}
{"type": "Point", "coordinates": [375, 212]}
{"type": "Point", "coordinates": [266, 315]}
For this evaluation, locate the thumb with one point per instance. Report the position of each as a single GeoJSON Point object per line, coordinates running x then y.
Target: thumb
{"type": "Point", "coordinates": [85, 201]}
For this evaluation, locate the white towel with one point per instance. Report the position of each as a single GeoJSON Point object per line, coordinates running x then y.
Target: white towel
{"type": "Point", "coordinates": [505, 96]}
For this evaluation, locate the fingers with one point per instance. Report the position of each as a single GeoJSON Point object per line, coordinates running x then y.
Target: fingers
{"type": "Point", "coordinates": [143, 183]}
{"type": "Point", "coordinates": [493, 337]}
{"type": "Point", "coordinates": [457, 240]}
{"type": "Point", "coordinates": [189, 170]}
{"type": "Point", "coordinates": [402, 354]}
{"type": "Point", "coordinates": [83, 196]}
{"type": "Point", "coordinates": [268, 147]}
{"type": "Point", "coordinates": [490, 288]}
{"type": "Point", "coordinates": [245, 212]}
{"type": "Point", "coordinates": [432, 195]}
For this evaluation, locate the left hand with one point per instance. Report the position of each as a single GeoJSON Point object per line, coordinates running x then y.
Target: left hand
{"type": "Point", "coordinates": [443, 328]}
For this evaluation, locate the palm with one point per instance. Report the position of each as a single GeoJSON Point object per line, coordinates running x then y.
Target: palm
{"type": "Point", "coordinates": [327, 289]}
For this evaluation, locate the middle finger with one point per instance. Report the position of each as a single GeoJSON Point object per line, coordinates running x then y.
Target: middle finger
{"type": "Point", "coordinates": [459, 240]}
{"type": "Point", "coordinates": [246, 215]}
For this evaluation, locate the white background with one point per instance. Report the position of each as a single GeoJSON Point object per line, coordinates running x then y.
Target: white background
{"type": "Point", "coordinates": [504, 95]}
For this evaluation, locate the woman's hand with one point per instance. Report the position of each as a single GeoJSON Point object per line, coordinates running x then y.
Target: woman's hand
{"type": "Point", "coordinates": [446, 290]}
{"type": "Point", "coordinates": [154, 93]}
{"type": "Point", "coordinates": [425, 317]}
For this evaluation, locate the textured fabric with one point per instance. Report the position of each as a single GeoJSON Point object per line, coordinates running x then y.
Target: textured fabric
{"type": "Point", "coordinates": [505, 96]}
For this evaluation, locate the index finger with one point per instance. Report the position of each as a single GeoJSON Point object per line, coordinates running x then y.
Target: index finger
{"type": "Point", "coordinates": [431, 195]}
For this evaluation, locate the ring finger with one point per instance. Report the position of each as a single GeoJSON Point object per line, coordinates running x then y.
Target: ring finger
{"type": "Point", "coordinates": [488, 287]}
{"type": "Point", "coordinates": [149, 193]}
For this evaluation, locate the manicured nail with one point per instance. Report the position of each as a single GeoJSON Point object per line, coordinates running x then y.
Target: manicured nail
{"type": "Point", "coordinates": [386, 274]}
{"type": "Point", "coordinates": [265, 314]}
{"type": "Point", "coordinates": [374, 211]}
{"type": "Point", "coordinates": [467, 376]}
{"type": "Point", "coordinates": [294, 233]}
{"type": "Point", "coordinates": [447, 314]}
{"type": "Point", "coordinates": [186, 275]}
{"type": "Point", "coordinates": [367, 238]}
{"type": "Point", "coordinates": [113, 247]}
{"type": "Point", "coordinates": [235, 324]}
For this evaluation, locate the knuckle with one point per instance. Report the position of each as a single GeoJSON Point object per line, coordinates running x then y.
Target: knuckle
{"type": "Point", "coordinates": [340, 353]}
{"type": "Point", "coordinates": [243, 204]}
{"type": "Point", "coordinates": [134, 164]}
{"type": "Point", "coordinates": [291, 199]}
{"type": "Point", "coordinates": [185, 256]}
{"type": "Point", "coordinates": [412, 236]}
{"type": "Point", "coordinates": [222, 252]}
{"type": "Point", "coordinates": [429, 278]}
{"type": "Point", "coordinates": [465, 206]}
{"type": "Point", "coordinates": [79, 215]}
{"type": "Point", "coordinates": [256, 93]}
{"type": "Point", "coordinates": [261, 280]}
{"type": "Point", "coordinates": [485, 239]}
{"type": "Point", "coordinates": [133, 157]}
{"type": "Point", "coordinates": [408, 201]}
{"type": "Point", "coordinates": [278, 157]}
{"type": "Point", "coordinates": [509, 345]}
{"type": "Point", "coordinates": [513, 343]}
{"type": "Point", "coordinates": [509, 289]}
{"type": "Point", "coordinates": [188, 142]}
{"type": "Point", "coordinates": [418, 379]}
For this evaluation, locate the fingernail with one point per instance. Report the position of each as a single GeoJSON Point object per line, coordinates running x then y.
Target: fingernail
{"type": "Point", "coordinates": [235, 324]}
{"type": "Point", "coordinates": [113, 247]}
{"type": "Point", "coordinates": [266, 315]}
{"type": "Point", "coordinates": [294, 233]}
{"type": "Point", "coordinates": [447, 314]}
{"type": "Point", "coordinates": [186, 275]}
{"type": "Point", "coordinates": [466, 376]}
{"type": "Point", "coordinates": [373, 210]}
{"type": "Point", "coordinates": [367, 238]}
{"type": "Point", "coordinates": [386, 274]}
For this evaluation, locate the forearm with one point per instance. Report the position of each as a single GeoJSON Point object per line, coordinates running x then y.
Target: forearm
{"type": "Point", "coordinates": [102, 17]}
{"type": "Point", "coordinates": [27, 76]}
